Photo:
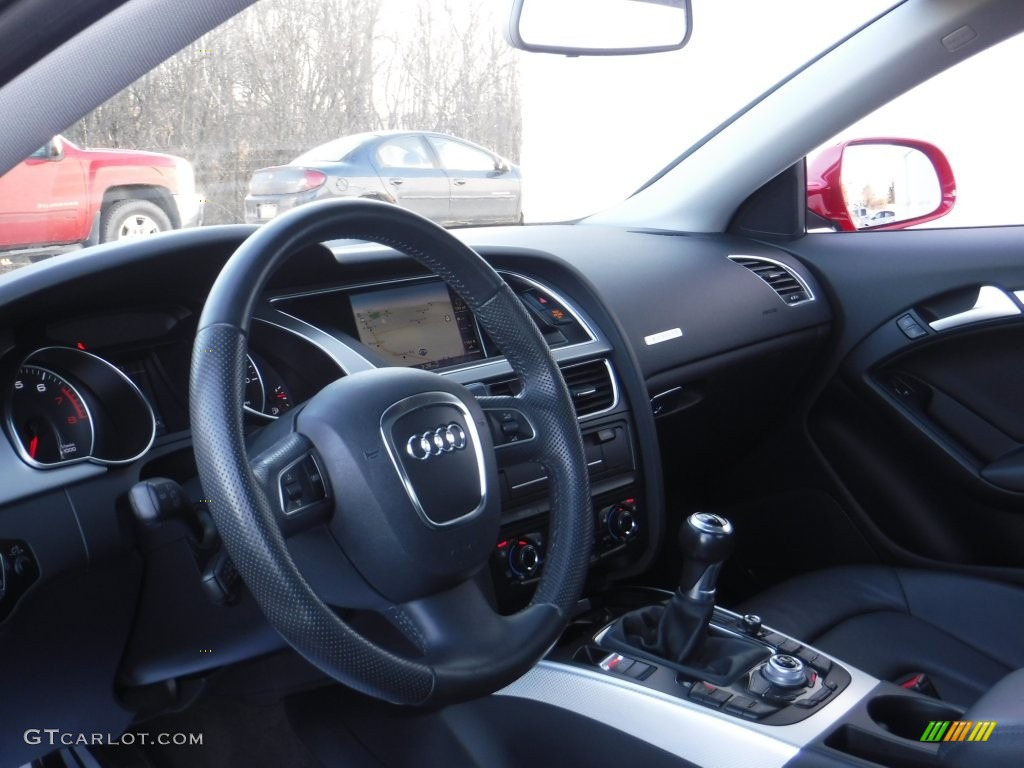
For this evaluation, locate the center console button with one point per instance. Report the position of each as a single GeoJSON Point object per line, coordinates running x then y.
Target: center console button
{"type": "Point", "coordinates": [816, 660]}
{"type": "Point", "coordinates": [738, 705]}
{"type": "Point", "coordinates": [759, 709]}
{"type": "Point", "coordinates": [782, 643]}
{"type": "Point", "coordinates": [709, 695]}
{"type": "Point", "coordinates": [639, 670]}
{"type": "Point", "coordinates": [815, 699]}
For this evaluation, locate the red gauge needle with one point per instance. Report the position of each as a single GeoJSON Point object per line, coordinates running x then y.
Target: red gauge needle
{"type": "Point", "coordinates": [33, 446]}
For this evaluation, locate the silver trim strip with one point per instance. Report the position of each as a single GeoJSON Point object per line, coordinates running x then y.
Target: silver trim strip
{"type": "Point", "coordinates": [413, 403]}
{"type": "Point", "coordinates": [345, 357]}
{"type": "Point", "coordinates": [688, 730]}
{"type": "Point", "coordinates": [992, 303]}
{"type": "Point", "coordinates": [790, 270]}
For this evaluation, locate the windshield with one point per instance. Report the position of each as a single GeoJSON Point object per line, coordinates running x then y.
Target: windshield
{"type": "Point", "coordinates": [425, 101]}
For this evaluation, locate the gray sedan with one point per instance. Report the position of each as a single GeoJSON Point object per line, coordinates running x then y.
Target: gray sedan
{"type": "Point", "coordinates": [446, 179]}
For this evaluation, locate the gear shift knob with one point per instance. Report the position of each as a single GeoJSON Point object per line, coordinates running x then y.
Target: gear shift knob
{"type": "Point", "coordinates": [706, 541]}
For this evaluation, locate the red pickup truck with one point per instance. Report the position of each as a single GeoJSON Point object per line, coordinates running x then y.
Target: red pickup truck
{"type": "Point", "coordinates": [62, 194]}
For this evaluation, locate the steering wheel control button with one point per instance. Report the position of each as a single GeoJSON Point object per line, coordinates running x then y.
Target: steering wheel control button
{"type": "Point", "coordinates": [301, 485]}
{"type": "Point", "coordinates": [509, 426]}
{"type": "Point", "coordinates": [785, 671]}
{"type": "Point", "coordinates": [433, 443]}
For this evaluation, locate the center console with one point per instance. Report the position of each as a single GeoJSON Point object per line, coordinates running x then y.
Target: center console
{"type": "Point", "coordinates": [721, 689]}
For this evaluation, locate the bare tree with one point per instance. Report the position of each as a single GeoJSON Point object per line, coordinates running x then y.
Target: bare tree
{"type": "Point", "coordinates": [283, 77]}
{"type": "Point", "coordinates": [441, 81]}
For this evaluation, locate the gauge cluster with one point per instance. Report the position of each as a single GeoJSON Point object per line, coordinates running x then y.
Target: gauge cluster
{"type": "Point", "coordinates": [105, 388]}
{"type": "Point", "coordinates": [266, 393]}
{"type": "Point", "coordinates": [66, 405]}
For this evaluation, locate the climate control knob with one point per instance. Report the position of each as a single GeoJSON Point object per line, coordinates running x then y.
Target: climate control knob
{"type": "Point", "coordinates": [524, 558]}
{"type": "Point", "coordinates": [621, 521]}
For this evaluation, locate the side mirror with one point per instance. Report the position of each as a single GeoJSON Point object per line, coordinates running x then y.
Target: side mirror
{"type": "Point", "coordinates": [51, 150]}
{"type": "Point", "coordinates": [880, 183]}
{"type": "Point", "coordinates": [501, 165]}
{"type": "Point", "coordinates": [599, 27]}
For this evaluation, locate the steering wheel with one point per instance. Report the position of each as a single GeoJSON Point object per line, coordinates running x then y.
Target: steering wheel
{"type": "Point", "coordinates": [381, 492]}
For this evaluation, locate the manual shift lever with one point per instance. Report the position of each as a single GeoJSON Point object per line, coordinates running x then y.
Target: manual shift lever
{"type": "Point", "coordinates": [677, 631]}
{"type": "Point", "coordinates": [705, 540]}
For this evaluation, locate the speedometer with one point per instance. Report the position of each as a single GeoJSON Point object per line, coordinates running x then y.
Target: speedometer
{"type": "Point", "coordinates": [266, 394]}
{"type": "Point", "coordinates": [49, 417]}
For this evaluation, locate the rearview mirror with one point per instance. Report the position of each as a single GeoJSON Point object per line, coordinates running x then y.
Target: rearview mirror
{"type": "Point", "coordinates": [880, 184]}
{"type": "Point", "coordinates": [599, 27]}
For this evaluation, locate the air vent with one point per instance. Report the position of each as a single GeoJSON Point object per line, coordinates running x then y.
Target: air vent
{"type": "Point", "coordinates": [591, 387]}
{"type": "Point", "coordinates": [783, 280]}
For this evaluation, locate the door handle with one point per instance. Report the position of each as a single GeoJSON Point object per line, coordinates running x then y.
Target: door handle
{"type": "Point", "coordinates": [992, 302]}
{"type": "Point", "coordinates": [460, 182]}
{"type": "Point", "coordinates": [396, 181]}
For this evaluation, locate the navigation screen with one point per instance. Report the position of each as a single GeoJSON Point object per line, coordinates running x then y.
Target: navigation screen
{"type": "Point", "coordinates": [420, 325]}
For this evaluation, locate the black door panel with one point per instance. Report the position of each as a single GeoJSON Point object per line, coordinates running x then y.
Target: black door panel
{"type": "Point", "coordinates": [874, 277]}
{"type": "Point", "coordinates": [922, 419]}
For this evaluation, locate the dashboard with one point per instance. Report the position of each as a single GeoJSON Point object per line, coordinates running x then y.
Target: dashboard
{"type": "Point", "coordinates": [95, 351]}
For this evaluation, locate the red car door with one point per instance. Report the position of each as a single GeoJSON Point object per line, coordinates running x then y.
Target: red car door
{"type": "Point", "coordinates": [43, 198]}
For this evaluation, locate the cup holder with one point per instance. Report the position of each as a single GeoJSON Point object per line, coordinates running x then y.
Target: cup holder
{"type": "Point", "coordinates": [888, 729]}
{"type": "Point", "coordinates": [908, 716]}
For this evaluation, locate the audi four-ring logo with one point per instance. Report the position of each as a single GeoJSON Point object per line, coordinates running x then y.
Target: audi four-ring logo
{"type": "Point", "coordinates": [451, 437]}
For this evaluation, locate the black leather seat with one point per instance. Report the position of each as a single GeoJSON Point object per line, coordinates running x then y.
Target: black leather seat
{"type": "Point", "coordinates": [965, 633]}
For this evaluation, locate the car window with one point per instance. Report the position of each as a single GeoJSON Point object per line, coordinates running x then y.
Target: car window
{"type": "Point", "coordinates": [302, 82]}
{"type": "Point", "coordinates": [333, 151]}
{"type": "Point", "coordinates": [968, 114]}
{"type": "Point", "coordinates": [404, 152]}
{"type": "Point", "coordinates": [456, 156]}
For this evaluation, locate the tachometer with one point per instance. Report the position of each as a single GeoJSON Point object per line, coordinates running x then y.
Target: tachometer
{"type": "Point", "coordinates": [49, 417]}
{"type": "Point", "coordinates": [255, 395]}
